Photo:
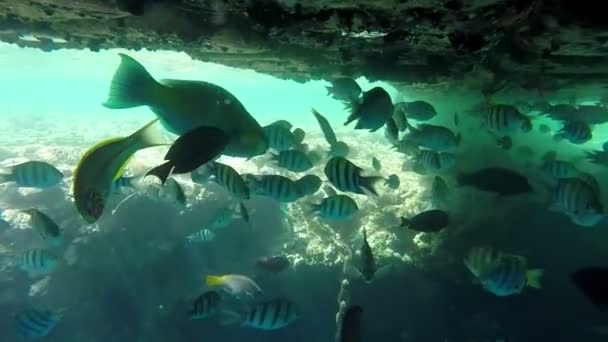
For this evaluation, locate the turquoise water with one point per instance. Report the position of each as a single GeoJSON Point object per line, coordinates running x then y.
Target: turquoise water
{"type": "Point", "coordinates": [75, 82]}
{"type": "Point", "coordinates": [130, 276]}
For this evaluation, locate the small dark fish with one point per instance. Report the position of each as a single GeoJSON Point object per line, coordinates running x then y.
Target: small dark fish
{"type": "Point", "coordinates": [392, 182]}
{"type": "Point", "coordinates": [368, 266]}
{"type": "Point", "coordinates": [328, 132]}
{"type": "Point", "coordinates": [273, 264]}
{"type": "Point", "coordinates": [45, 226]}
{"type": "Point", "coordinates": [373, 111]}
{"type": "Point", "coordinates": [428, 221]}
{"type": "Point", "coordinates": [376, 164]}
{"type": "Point", "coordinates": [350, 327]}
{"type": "Point", "coordinates": [499, 180]}
{"type": "Point", "coordinates": [206, 305]}
{"type": "Point", "coordinates": [593, 282]}
{"type": "Point", "coordinates": [344, 89]}
{"type": "Point", "coordinates": [191, 150]}
{"type": "Point", "coordinates": [456, 119]}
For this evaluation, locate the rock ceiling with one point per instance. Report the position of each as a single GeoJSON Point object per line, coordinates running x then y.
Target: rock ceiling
{"type": "Point", "coordinates": [487, 45]}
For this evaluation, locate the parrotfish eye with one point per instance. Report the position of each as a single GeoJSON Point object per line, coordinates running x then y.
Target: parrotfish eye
{"type": "Point", "coordinates": [94, 203]}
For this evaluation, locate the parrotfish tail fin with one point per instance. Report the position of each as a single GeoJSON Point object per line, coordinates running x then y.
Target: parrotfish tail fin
{"type": "Point", "coordinates": [367, 185]}
{"type": "Point", "coordinates": [229, 317]}
{"type": "Point", "coordinates": [131, 86]}
{"type": "Point", "coordinates": [161, 172]}
{"type": "Point", "coordinates": [533, 278]}
{"type": "Point", "coordinates": [330, 90]}
{"type": "Point", "coordinates": [404, 222]}
{"type": "Point", "coordinates": [213, 280]}
{"type": "Point", "coordinates": [353, 107]}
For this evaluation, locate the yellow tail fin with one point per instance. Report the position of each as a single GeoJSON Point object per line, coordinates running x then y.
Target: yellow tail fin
{"type": "Point", "coordinates": [213, 280]}
{"type": "Point", "coordinates": [533, 278]}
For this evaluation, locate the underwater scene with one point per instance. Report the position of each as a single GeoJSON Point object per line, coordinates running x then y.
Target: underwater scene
{"type": "Point", "coordinates": [146, 195]}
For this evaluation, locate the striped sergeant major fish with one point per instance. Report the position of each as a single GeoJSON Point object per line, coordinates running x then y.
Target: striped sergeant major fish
{"type": "Point", "coordinates": [293, 160]}
{"type": "Point", "coordinates": [229, 179]}
{"type": "Point", "coordinates": [338, 207]}
{"type": "Point", "coordinates": [559, 169]}
{"type": "Point", "coordinates": [203, 235]}
{"type": "Point", "coordinates": [439, 193]}
{"type": "Point", "coordinates": [206, 305]}
{"type": "Point", "coordinates": [579, 201]}
{"type": "Point", "coordinates": [35, 323]}
{"type": "Point", "coordinates": [500, 273]}
{"type": "Point", "coordinates": [433, 162]}
{"type": "Point", "coordinates": [575, 131]}
{"type": "Point", "coordinates": [280, 137]}
{"type": "Point", "coordinates": [37, 262]}
{"type": "Point", "coordinates": [346, 176]}
{"type": "Point", "coordinates": [272, 315]}
{"type": "Point", "coordinates": [277, 187]}
{"type": "Point", "coordinates": [33, 174]}
{"type": "Point", "coordinates": [504, 120]}
{"type": "Point", "coordinates": [45, 226]}
{"type": "Point", "coordinates": [170, 192]}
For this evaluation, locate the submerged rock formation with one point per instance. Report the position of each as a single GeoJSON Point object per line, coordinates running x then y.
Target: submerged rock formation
{"type": "Point", "coordinates": [539, 45]}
